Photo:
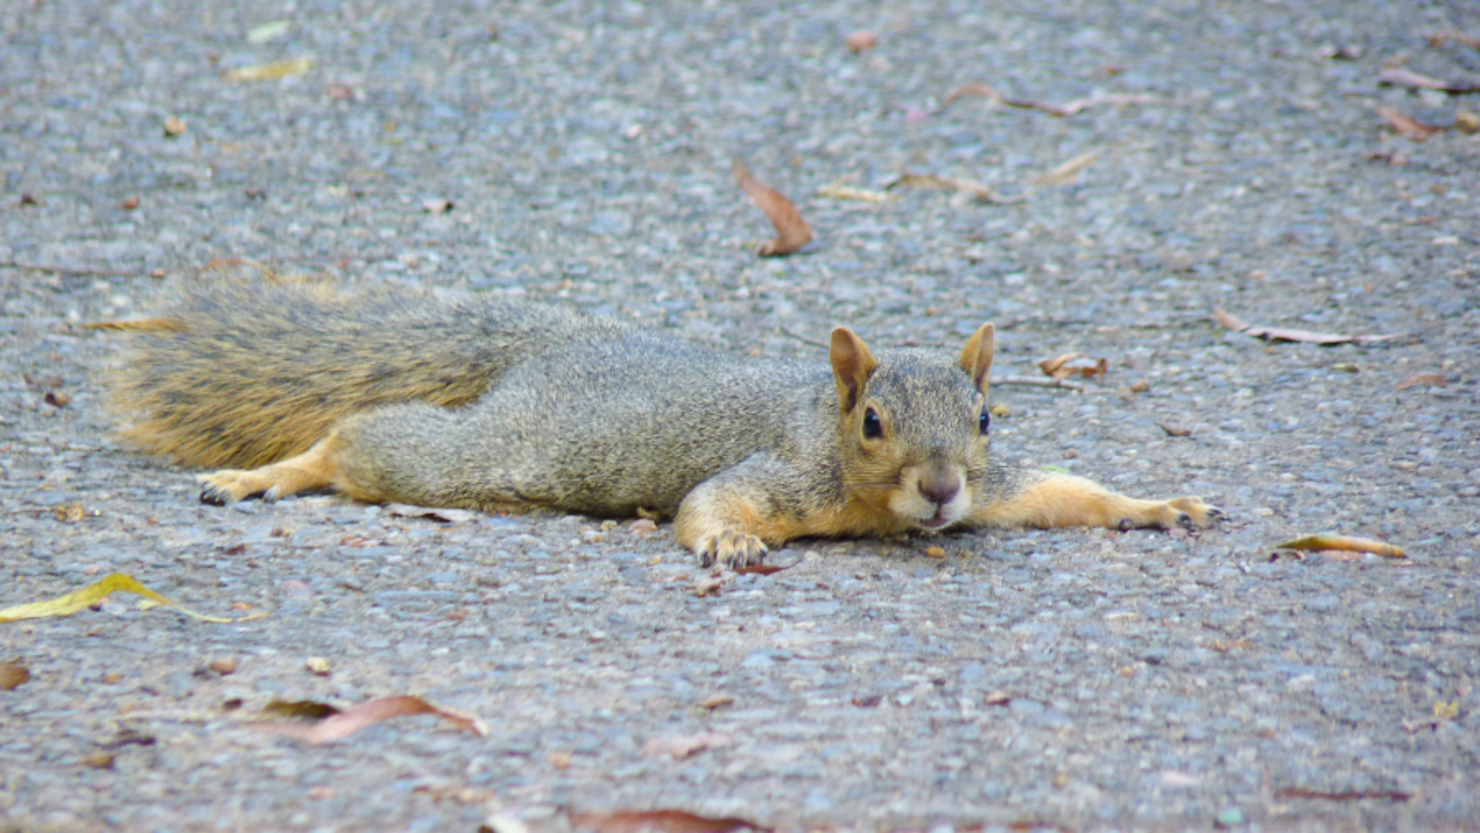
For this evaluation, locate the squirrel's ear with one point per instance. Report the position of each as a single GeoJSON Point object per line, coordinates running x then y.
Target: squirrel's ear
{"type": "Point", "coordinates": [976, 359]}
{"type": "Point", "coordinates": [852, 364]}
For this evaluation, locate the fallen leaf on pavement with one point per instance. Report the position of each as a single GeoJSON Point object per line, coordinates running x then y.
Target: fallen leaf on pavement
{"type": "Point", "coordinates": [660, 821]}
{"type": "Point", "coordinates": [1069, 171]}
{"type": "Point", "coordinates": [92, 594]}
{"type": "Point", "coordinates": [268, 31]}
{"type": "Point", "coordinates": [13, 674]}
{"type": "Point", "coordinates": [1232, 322]}
{"type": "Point", "coordinates": [1440, 38]}
{"type": "Point", "coordinates": [299, 709]}
{"type": "Point", "coordinates": [760, 569]}
{"type": "Point", "coordinates": [861, 41]}
{"type": "Point", "coordinates": [269, 72]}
{"type": "Point", "coordinates": [1410, 127]}
{"type": "Point", "coordinates": [792, 232]}
{"type": "Point", "coordinates": [1062, 367]}
{"type": "Point", "coordinates": [1402, 77]}
{"type": "Point", "coordinates": [682, 746]}
{"type": "Point", "coordinates": [345, 723]}
{"type": "Point", "coordinates": [931, 182]}
{"type": "Point", "coordinates": [1433, 380]}
{"type": "Point", "coordinates": [1332, 541]}
{"type": "Point", "coordinates": [839, 191]}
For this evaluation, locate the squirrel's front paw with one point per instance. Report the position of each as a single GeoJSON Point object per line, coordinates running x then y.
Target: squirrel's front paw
{"type": "Point", "coordinates": [1185, 512]}
{"type": "Point", "coordinates": [730, 548]}
{"type": "Point", "coordinates": [231, 485]}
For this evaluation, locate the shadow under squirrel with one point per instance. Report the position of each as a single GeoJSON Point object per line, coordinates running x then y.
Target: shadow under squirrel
{"type": "Point", "coordinates": [499, 405]}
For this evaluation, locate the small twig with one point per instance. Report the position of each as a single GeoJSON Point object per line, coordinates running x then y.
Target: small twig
{"type": "Point", "coordinates": [1036, 382]}
{"type": "Point", "coordinates": [803, 339]}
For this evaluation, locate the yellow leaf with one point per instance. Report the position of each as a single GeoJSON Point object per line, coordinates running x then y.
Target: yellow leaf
{"type": "Point", "coordinates": [91, 595]}
{"type": "Point", "coordinates": [272, 71]}
{"type": "Point", "coordinates": [1069, 171]}
{"type": "Point", "coordinates": [269, 31]}
{"type": "Point", "coordinates": [1329, 541]}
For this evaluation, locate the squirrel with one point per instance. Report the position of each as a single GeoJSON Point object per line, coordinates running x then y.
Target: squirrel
{"type": "Point", "coordinates": [507, 406]}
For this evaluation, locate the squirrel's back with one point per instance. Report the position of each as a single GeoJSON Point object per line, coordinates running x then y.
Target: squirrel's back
{"type": "Point", "coordinates": [240, 373]}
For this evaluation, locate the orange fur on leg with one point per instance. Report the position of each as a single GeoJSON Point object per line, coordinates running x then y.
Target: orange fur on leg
{"type": "Point", "coordinates": [316, 468]}
{"type": "Point", "coordinates": [1057, 500]}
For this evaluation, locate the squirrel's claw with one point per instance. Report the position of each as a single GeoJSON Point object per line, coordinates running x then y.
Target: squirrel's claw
{"type": "Point", "coordinates": [228, 486]}
{"type": "Point", "coordinates": [1194, 514]}
{"type": "Point", "coordinates": [730, 548]}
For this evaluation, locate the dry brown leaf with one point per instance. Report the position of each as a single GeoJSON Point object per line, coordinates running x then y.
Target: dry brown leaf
{"type": "Point", "coordinates": [342, 725]}
{"type": "Point", "coordinates": [660, 821]}
{"type": "Point", "coordinates": [13, 674]}
{"type": "Point", "coordinates": [1069, 171]}
{"type": "Point", "coordinates": [1410, 127]}
{"type": "Point", "coordinates": [174, 126]}
{"type": "Point", "coordinates": [1232, 322]}
{"type": "Point", "coordinates": [1061, 367]}
{"type": "Point", "coordinates": [997, 698]}
{"type": "Point", "coordinates": [57, 399]}
{"type": "Point", "coordinates": [760, 569]}
{"type": "Point", "coordinates": [861, 41]}
{"type": "Point", "coordinates": [792, 232]}
{"type": "Point", "coordinates": [714, 701]}
{"type": "Point", "coordinates": [1331, 541]}
{"type": "Point", "coordinates": [978, 90]}
{"type": "Point", "coordinates": [1433, 380]}
{"type": "Point", "coordinates": [1440, 38]}
{"type": "Point", "coordinates": [931, 182]}
{"type": "Point", "coordinates": [682, 746]}
{"type": "Point", "coordinates": [709, 585]}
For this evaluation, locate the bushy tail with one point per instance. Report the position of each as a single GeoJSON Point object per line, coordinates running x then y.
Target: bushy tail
{"type": "Point", "coordinates": [242, 372]}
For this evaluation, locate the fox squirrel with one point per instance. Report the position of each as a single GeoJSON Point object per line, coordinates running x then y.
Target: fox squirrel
{"type": "Point", "coordinates": [500, 405]}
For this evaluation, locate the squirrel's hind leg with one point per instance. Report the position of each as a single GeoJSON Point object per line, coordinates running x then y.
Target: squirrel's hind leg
{"type": "Point", "coordinates": [316, 468]}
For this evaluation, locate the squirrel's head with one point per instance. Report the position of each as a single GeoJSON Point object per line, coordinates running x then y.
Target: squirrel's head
{"type": "Point", "coordinates": [914, 427]}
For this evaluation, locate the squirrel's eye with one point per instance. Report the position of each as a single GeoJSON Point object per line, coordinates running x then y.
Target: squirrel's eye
{"type": "Point", "coordinates": [986, 421]}
{"type": "Point", "coordinates": [872, 427]}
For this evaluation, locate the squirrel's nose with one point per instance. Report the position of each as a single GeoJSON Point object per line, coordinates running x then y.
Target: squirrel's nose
{"type": "Point", "coordinates": [940, 487]}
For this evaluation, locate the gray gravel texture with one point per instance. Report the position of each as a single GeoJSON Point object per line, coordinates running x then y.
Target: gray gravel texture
{"type": "Point", "coordinates": [1075, 679]}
